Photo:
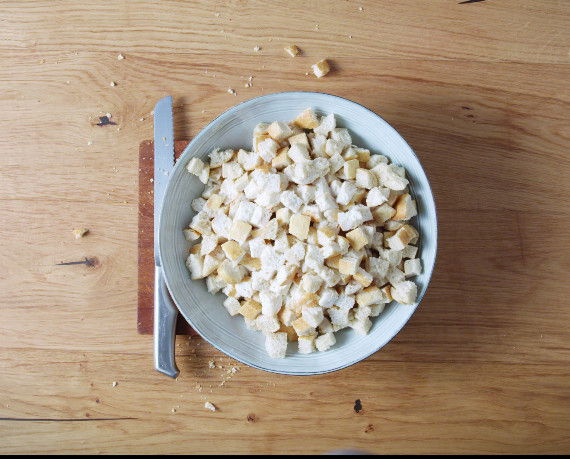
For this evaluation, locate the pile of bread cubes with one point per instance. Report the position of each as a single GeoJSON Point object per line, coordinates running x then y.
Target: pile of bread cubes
{"type": "Point", "coordinates": [306, 234]}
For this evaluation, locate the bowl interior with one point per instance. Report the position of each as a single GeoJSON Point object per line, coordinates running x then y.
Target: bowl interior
{"type": "Point", "coordinates": [205, 312]}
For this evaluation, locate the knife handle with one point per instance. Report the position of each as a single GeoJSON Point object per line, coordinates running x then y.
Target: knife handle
{"type": "Point", "coordinates": [165, 314]}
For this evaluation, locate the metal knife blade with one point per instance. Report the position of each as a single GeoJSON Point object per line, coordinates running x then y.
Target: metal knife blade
{"type": "Point", "coordinates": [165, 311]}
{"type": "Point", "coordinates": [163, 159]}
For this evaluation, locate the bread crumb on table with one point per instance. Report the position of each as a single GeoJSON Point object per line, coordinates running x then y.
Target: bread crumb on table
{"type": "Point", "coordinates": [210, 406]}
{"type": "Point", "coordinates": [120, 57]}
{"type": "Point", "coordinates": [80, 232]}
{"type": "Point", "coordinates": [292, 50]}
{"type": "Point", "coordinates": [321, 68]}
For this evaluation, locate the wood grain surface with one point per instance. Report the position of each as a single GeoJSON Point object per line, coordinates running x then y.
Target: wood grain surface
{"type": "Point", "coordinates": [480, 92]}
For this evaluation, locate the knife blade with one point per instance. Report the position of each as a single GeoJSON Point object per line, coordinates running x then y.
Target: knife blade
{"type": "Point", "coordinates": [165, 311]}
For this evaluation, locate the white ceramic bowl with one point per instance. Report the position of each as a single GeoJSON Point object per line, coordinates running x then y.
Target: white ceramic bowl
{"type": "Point", "coordinates": [205, 312]}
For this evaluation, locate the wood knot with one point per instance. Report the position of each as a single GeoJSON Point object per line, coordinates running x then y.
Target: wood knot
{"type": "Point", "coordinates": [251, 417]}
{"type": "Point", "coordinates": [369, 429]}
{"type": "Point", "coordinates": [357, 406]}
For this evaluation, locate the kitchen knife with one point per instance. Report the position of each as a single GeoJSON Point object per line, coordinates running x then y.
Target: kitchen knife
{"type": "Point", "coordinates": [165, 311]}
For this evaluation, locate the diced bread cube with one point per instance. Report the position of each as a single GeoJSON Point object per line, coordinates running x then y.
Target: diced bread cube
{"type": "Point", "coordinates": [240, 231]}
{"type": "Point", "coordinates": [268, 149]}
{"type": "Point", "coordinates": [209, 243]}
{"type": "Point", "coordinates": [201, 223]}
{"type": "Point", "coordinates": [326, 235]}
{"type": "Point", "coordinates": [312, 315]}
{"type": "Point", "coordinates": [378, 267]}
{"type": "Point", "coordinates": [350, 154]}
{"type": "Point", "coordinates": [257, 139]}
{"type": "Point", "coordinates": [300, 138]}
{"type": "Point", "coordinates": [361, 327]}
{"type": "Point", "coordinates": [346, 193]}
{"type": "Point", "coordinates": [347, 266]}
{"type": "Point", "coordinates": [298, 153]}
{"type": "Point", "coordinates": [412, 267]}
{"type": "Point", "coordinates": [260, 216]}
{"type": "Point", "coordinates": [405, 207]}
{"type": "Point", "coordinates": [328, 297]}
{"type": "Point", "coordinates": [271, 303]}
{"type": "Point", "coordinates": [210, 264]}
{"type": "Point", "coordinates": [356, 216]}
{"type": "Point", "coordinates": [299, 226]}
{"type": "Point", "coordinates": [321, 68]}
{"type": "Point", "coordinates": [267, 324]}
{"type": "Point", "coordinates": [198, 204]}
{"type": "Point", "coordinates": [214, 203]}
{"type": "Point", "coordinates": [281, 160]}
{"type": "Point", "coordinates": [394, 257]}
{"type": "Point", "coordinates": [307, 343]}
{"type": "Point", "coordinates": [326, 125]}
{"type": "Point", "coordinates": [244, 289]}
{"type": "Point", "coordinates": [279, 131]}
{"type": "Point", "coordinates": [295, 254]}
{"type": "Point", "coordinates": [232, 306]}
{"type": "Point", "coordinates": [260, 128]}
{"type": "Point", "coordinates": [195, 263]}
{"type": "Point", "coordinates": [366, 179]}
{"type": "Point", "coordinates": [333, 147]}
{"type": "Point", "coordinates": [404, 292]}
{"type": "Point", "coordinates": [352, 287]}
{"type": "Point", "coordinates": [195, 166]}
{"type": "Point", "coordinates": [269, 230]}
{"type": "Point", "coordinates": [287, 316]}
{"type": "Point", "coordinates": [307, 119]}
{"type": "Point", "coordinates": [383, 213]}
{"type": "Point", "coordinates": [302, 327]}
{"type": "Point", "coordinates": [219, 157]}
{"type": "Point", "coordinates": [393, 225]}
{"type": "Point", "coordinates": [403, 236]}
{"type": "Point", "coordinates": [388, 178]}
{"type": "Point", "coordinates": [276, 345]}
{"type": "Point", "coordinates": [369, 295]}
{"type": "Point", "coordinates": [311, 282]}
{"type": "Point", "coordinates": [252, 264]}
{"type": "Point", "coordinates": [342, 136]}
{"type": "Point", "coordinates": [230, 273]}
{"type": "Point", "coordinates": [409, 251]}
{"type": "Point", "coordinates": [248, 160]}
{"type": "Point", "coordinates": [232, 170]}
{"type": "Point", "coordinates": [362, 277]}
{"type": "Point", "coordinates": [290, 200]}
{"type": "Point", "coordinates": [325, 342]}
{"type": "Point", "coordinates": [377, 196]}
{"type": "Point", "coordinates": [336, 163]}
{"type": "Point", "coordinates": [292, 50]}
{"type": "Point", "coordinates": [350, 168]}
{"type": "Point", "coordinates": [357, 238]}
{"type": "Point", "coordinates": [233, 251]}
{"type": "Point", "coordinates": [375, 160]}
{"type": "Point", "coordinates": [345, 302]}
{"type": "Point", "coordinates": [318, 145]}
{"type": "Point", "coordinates": [205, 174]}
{"type": "Point", "coordinates": [363, 155]}
{"type": "Point", "coordinates": [250, 309]}
{"type": "Point", "coordinates": [283, 215]}
{"type": "Point", "coordinates": [191, 235]}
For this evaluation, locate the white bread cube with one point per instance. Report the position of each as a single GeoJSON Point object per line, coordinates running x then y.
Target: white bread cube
{"type": "Point", "coordinates": [311, 282]}
{"type": "Point", "coordinates": [361, 327]}
{"type": "Point", "coordinates": [347, 265]}
{"type": "Point", "coordinates": [328, 297]}
{"type": "Point", "coordinates": [333, 147]}
{"type": "Point", "coordinates": [362, 277]}
{"type": "Point", "coordinates": [233, 251]}
{"type": "Point", "coordinates": [378, 267]}
{"type": "Point", "coordinates": [245, 211]}
{"type": "Point", "coordinates": [271, 260]}
{"type": "Point", "coordinates": [331, 249]}
{"type": "Point", "coordinates": [248, 160]}
{"type": "Point", "coordinates": [230, 273]}
{"type": "Point", "coordinates": [350, 154]}
{"type": "Point", "coordinates": [376, 309]}
{"type": "Point", "coordinates": [307, 119]}
{"type": "Point", "coordinates": [344, 244]}
{"type": "Point", "coordinates": [336, 163]}
{"type": "Point", "coordinates": [191, 235]}
{"type": "Point", "coordinates": [395, 275]}
{"type": "Point", "coordinates": [244, 289]}
{"type": "Point", "coordinates": [330, 276]}
{"type": "Point", "coordinates": [350, 168]}
{"type": "Point", "coordinates": [321, 68]}
{"type": "Point", "coordinates": [198, 204]}
{"type": "Point", "coordinates": [260, 128]}
{"type": "Point", "coordinates": [250, 309]}
{"type": "Point", "coordinates": [283, 215]}
{"type": "Point", "coordinates": [383, 213]}
{"type": "Point", "coordinates": [300, 138]}
{"type": "Point", "coordinates": [394, 257]}
{"type": "Point", "coordinates": [209, 243]}
{"type": "Point", "coordinates": [267, 324]}
{"type": "Point", "coordinates": [287, 316]}
{"type": "Point", "coordinates": [356, 216]}
{"type": "Point", "coordinates": [298, 152]}
{"type": "Point", "coordinates": [307, 343]}
{"type": "Point", "coordinates": [195, 166]}
{"type": "Point", "coordinates": [195, 264]}
{"type": "Point", "coordinates": [369, 295]}
{"type": "Point", "coordinates": [232, 306]}
{"type": "Point", "coordinates": [307, 172]}
{"type": "Point", "coordinates": [377, 196]}
{"type": "Point", "coordinates": [232, 170]}
{"type": "Point", "coordinates": [352, 287]}
{"type": "Point", "coordinates": [269, 230]}
{"type": "Point", "coordinates": [409, 251]}
{"type": "Point", "coordinates": [295, 254]}
{"type": "Point", "coordinates": [307, 193]}
{"type": "Point", "coordinates": [271, 303]}
{"type": "Point", "coordinates": [318, 145]}
{"type": "Point", "coordinates": [313, 315]}
{"type": "Point", "coordinates": [338, 317]}
{"type": "Point", "coordinates": [325, 326]}
{"type": "Point", "coordinates": [219, 157]}
{"type": "Point", "coordinates": [256, 246]}
{"type": "Point", "coordinates": [252, 190]}
{"type": "Point", "coordinates": [326, 125]}
{"type": "Point", "coordinates": [271, 182]}
{"type": "Point", "coordinates": [358, 238]}
{"type": "Point", "coordinates": [313, 257]}
{"type": "Point", "coordinates": [375, 160]}
{"type": "Point", "coordinates": [389, 178]}
{"type": "Point", "coordinates": [363, 155]}
{"type": "Point", "coordinates": [405, 207]}
{"type": "Point", "coordinates": [205, 174]}
{"type": "Point", "coordinates": [281, 241]}
{"type": "Point", "coordinates": [346, 193]}
{"type": "Point", "coordinates": [201, 223]}
{"type": "Point", "coordinates": [228, 191]}
{"type": "Point", "coordinates": [393, 225]}
{"type": "Point", "coordinates": [412, 267]}
{"type": "Point", "coordinates": [290, 200]}
{"type": "Point", "coordinates": [403, 236]}
{"type": "Point", "coordinates": [302, 328]}
{"type": "Point", "coordinates": [342, 136]}
{"type": "Point", "coordinates": [366, 179]}
{"type": "Point", "coordinates": [325, 201]}
{"type": "Point", "coordinates": [268, 149]}
{"type": "Point", "coordinates": [276, 344]}
{"type": "Point", "coordinates": [404, 292]}
{"type": "Point", "coordinates": [281, 160]}
{"type": "Point", "coordinates": [299, 226]}
{"type": "Point", "coordinates": [213, 204]}
{"type": "Point", "coordinates": [325, 235]}
{"type": "Point", "coordinates": [214, 284]}
{"type": "Point", "coordinates": [240, 231]}
{"type": "Point", "coordinates": [345, 302]}
{"type": "Point", "coordinates": [279, 131]}
{"type": "Point", "coordinates": [260, 216]}
{"type": "Point", "coordinates": [325, 342]}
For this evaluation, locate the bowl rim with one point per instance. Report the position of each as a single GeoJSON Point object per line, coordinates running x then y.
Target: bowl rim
{"type": "Point", "coordinates": [178, 165]}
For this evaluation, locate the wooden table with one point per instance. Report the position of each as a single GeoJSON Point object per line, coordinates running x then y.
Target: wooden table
{"type": "Point", "coordinates": [479, 89]}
